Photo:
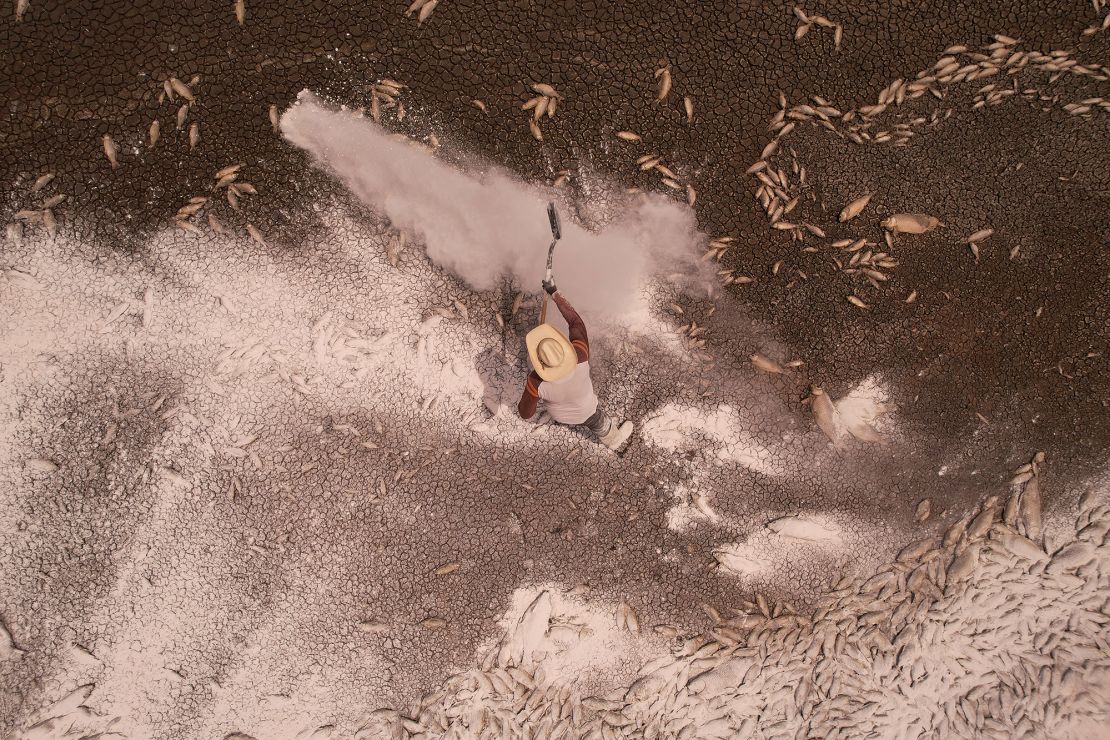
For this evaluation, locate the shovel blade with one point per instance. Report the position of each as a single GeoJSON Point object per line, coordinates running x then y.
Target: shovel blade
{"type": "Point", "coordinates": [553, 217]}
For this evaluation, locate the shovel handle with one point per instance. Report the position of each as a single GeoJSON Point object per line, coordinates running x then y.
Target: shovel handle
{"type": "Point", "coordinates": [543, 309]}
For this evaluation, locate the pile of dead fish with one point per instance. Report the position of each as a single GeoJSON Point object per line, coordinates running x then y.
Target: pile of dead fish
{"type": "Point", "coordinates": [980, 632]}
{"type": "Point", "coordinates": [783, 186]}
{"type": "Point", "coordinates": [43, 212]}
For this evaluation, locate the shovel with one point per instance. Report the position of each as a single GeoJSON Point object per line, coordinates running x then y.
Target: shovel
{"type": "Point", "coordinates": [553, 217]}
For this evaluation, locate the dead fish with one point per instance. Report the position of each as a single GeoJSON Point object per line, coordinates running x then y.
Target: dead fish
{"type": "Point", "coordinates": [148, 307]}
{"type": "Point", "coordinates": [425, 11]}
{"type": "Point", "coordinates": [433, 623]}
{"type": "Point", "coordinates": [42, 465]}
{"type": "Point", "coordinates": [665, 171]}
{"type": "Point", "coordinates": [1023, 547]}
{"type": "Point", "coordinates": [241, 12]}
{"type": "Point", "coordinates": [372, 627]}
{"type": "Point", "coordinates": [824, 413]}
{"type": "Point", "coordinates": [628, 136]}
{"type": "Point", "coordinates": [838, 35]}
{"type": "Point", "coordinates": [21, 9]}
{"type": "Point", "coordinates": [42, 182]}
{"type": "Point", "coordinates": [274, 117]}
{"type": "Point", "coordinates": [545, 90]}
{"type": "Point", "coordinates": [182, 114]}
{"type": "Point", "coordinates": [54, 200]}
{"type": "Point", "coordinates": [855, 301]}
{"type": "Point", "coordinates": [181, 89]}
{"type": "Point", "coordinates": [415, 6]}
{"type": "Point", "coordinates": [854, 208]}
{"type": "Point", "coordinates": [518, 300]}
{"type": "Point", "coordinates": [688, 104]}
{"type": "Point", "coordinates": [50, 222]}
{"type": "Point", "coordinates": [231, 169]}
{"type": "Point", "coordinates": [766, 364]}
{"type": "Point", "coordinates": [540, 108]}
{"type": "Point", "coordinates": [1031, 509]}
{"type": "Point", "coordinates": [111, 151]}
{"type": "Point", "coordinates": [214, 224]}
{"type": "Point", "coordinates": [664, 76]}
{"type": "Point", "coordinates": [245, 187]}
{"type": "Point", "coordinates": [910, 223]}
{"type": "Point", "coordinates": [255, 234]}
{"type": "Point", "coordinates": [478, 104]}
{"type": "Point", "coordinates": [963, 565]}
{"type": "Point", "coordinates": [233, 199]}
{"type": "Point", "coordinates": [979, 236]}
{"type": "Point", "coordinates": [155, 132]}
{"type": "Point", "coordinates": [8, 649]}
{"type": "Point", "coordinates": [446, 569]}
{"type": "Point", "coordinates": [691, 195]}
{"type": "Point", "coordinates": [911, 297]}
{"type": "Point", "coordinates": [923, 510]}
{"type": "Point", "coordinates": [194, 136]}
{"type": "Point", "coordinates": [534, 127]}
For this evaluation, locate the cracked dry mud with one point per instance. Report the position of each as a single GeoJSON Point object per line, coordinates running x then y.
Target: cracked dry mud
{"type": "Point", "coordinates": [269, 482]}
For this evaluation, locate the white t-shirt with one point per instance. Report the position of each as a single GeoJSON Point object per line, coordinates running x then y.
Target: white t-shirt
{"type": "Point", "coordinates": [571, 400]}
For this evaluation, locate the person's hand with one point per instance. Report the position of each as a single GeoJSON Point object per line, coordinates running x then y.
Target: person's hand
{"type": "Point", "coordinates": [549, 286]}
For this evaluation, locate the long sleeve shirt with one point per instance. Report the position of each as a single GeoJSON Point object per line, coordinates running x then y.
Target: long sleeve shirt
{"type": "Point", "coordinates": [578, 339]}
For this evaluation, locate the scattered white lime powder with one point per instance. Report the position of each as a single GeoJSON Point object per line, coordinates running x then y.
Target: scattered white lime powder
{"type": "Point", "coordinates": [574, 638]}
{"type": "Point", "coordinates": [679, 428]}
{"type": "Point", "coordinates": [858, 413]}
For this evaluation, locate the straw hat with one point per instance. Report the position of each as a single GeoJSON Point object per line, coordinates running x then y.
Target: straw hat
{"type": "Point", "coordinates": [551, 353]}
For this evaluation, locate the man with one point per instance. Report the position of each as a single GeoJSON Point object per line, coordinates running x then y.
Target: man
{"type": "Point", "coordinates": [561, 377]}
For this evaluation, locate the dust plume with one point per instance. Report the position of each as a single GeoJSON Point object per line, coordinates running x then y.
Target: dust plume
{"type": "Point", "coordinates": [484, 226]}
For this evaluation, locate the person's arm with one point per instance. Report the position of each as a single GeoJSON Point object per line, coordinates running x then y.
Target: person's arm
{"type": "Point", "coordinates": [575, 325]}
{"type": "Point", "coordinates": [530, 398]}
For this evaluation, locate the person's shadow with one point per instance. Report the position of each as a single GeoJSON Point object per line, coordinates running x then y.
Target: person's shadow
{"type": "Point", "coordinates": [502, 378]}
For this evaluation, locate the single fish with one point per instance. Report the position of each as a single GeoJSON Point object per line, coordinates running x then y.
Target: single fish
{"type": "Point", "coordinates": [1031, 509]}
{"type": "Point", "coordinates": [766, 364]}
{"type": "Point", "coordinates": [42, 182]}
{"type": "Point", "coordinates": [111, 151]}
{"type": "Point", "coordinates": [854, 208]}
{"type": "Point", "coordinates": [21, 9]}
{"type": "Point", "coordinates": [688, 104]}
{"type": "Point", "coordinates": [911, 223]}
{"type": "Point", "coordinates": [923, 510]}
{"type": "Point", "coordinates": [545, 90]}
{"type": "Point", "coordinates": [979, 236]}
{"type": "Point", "coordinates": [824, 413]}
{"type": "Point", "coordinates": [255, 234]}
{"type": "Point", "coordinates": [855, 301]}
{"type": "Point", "coordinates": [155, 132]}
{"type": "Point", "coordinates": [274, 117]}
{"type": "Point", "coordinates": [182, 114]}
{"type": "Point", "coordinates": [241, 12]}
{"type": "Point", "coordinates": [664, 76]}
{"type": "Point", "coordinates": [181, 89]}
{"type": "Point", "coordinates": [628, 136]}
{"type": "Point", "coordinates": [194, 136]}
{"type": "Point", "coordinates": [426, 11]}
{"type": "Point", "coordinates": [229, 170]}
